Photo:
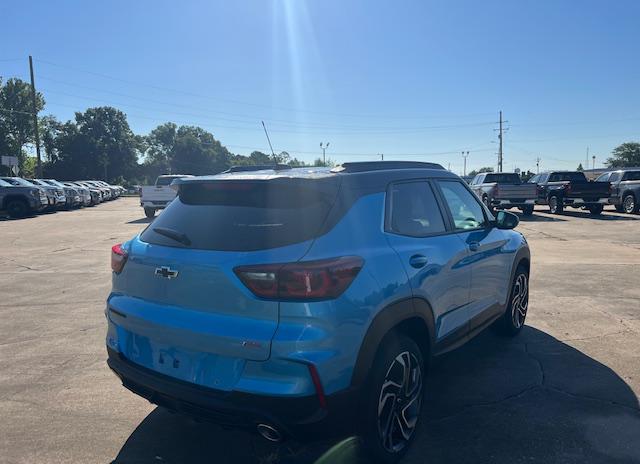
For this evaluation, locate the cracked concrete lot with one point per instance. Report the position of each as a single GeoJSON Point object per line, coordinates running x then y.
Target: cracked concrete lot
{"type": "Point", "coordinates": [564, 391]}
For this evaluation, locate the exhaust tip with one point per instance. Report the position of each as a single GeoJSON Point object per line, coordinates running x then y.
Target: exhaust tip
{"type": "Point", "coordinates": [269, 433]}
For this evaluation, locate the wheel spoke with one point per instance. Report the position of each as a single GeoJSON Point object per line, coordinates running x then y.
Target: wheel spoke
{"type": "Point", "coordinates": [399, 402]}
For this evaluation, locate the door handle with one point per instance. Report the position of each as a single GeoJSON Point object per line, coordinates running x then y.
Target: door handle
{"type": "Point", "coordinates": [418, 261]}
{"type": "Point", "coordinates": [474, 246]}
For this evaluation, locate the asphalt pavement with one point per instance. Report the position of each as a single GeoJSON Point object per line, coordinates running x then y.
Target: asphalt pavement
{"type": "Point", "coordinates": [564, 391]}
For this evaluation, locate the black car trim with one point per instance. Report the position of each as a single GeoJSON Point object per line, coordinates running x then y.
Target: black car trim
{"type": "Point", "coordinates": [298, 417]}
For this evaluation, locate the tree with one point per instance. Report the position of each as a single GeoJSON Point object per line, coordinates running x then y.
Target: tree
{"type": "Point", "coordinates": [16, 117]}
{"type": "Point", "coordinates": [625, 155]}
{"type": "Point", "coordinates": [480, 171]}
{"type": "Point", "coordinates": [580, 168]}
{"type": "Point", "coordinates": [99, 144]}
{"type": "Point", "coordinates": [185, 150]}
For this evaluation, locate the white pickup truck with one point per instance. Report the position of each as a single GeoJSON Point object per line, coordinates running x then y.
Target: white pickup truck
{"type": "Point", "coordinates": [158, 196]}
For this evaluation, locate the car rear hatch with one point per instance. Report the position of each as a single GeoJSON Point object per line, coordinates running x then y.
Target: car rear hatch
{"type": "Point", "coordinates": [178, 296]}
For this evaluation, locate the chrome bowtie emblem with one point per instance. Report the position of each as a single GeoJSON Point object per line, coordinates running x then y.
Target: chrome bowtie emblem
{"type": "Point", "coordinates": [166, 272]}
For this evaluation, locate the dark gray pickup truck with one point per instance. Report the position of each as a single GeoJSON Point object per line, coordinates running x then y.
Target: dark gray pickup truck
{"type": "Point", "coordinates": [559, 189]}
{"type": "Point", "coordinates": [625, 189]}
{"type": "Point", "coordinates": [19, 201]}
{"type": "Point", "coordinates": [504, 190]}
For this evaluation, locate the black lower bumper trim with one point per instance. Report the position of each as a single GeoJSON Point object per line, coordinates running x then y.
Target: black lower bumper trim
{"type": "Point", "coordinates": [298, 417]}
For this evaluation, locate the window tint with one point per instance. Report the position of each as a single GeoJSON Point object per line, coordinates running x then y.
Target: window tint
{"type": "Point", "coordinates": [244, 215]}
{"type": "Point", "coordinates": [615, 177]}
{"type": "Point", "coordinates": [465, 209]}
{"type": "Point", "coordinates": [477, 179]}
{"type": "Point", "coordinates": [162, 181]}
{"type": "Point", "coordinates": [414, 210]}
{"type": "Point", "coordinates": [567, 177]}
{"type": "Point", "coordinates": [603, 177]}
{"type": "Point", "coordinates": [503, 178]}
{"type": "Point", "coordinates": [534, 179]}
{"type": "Point", "coordinates": [631, 175]}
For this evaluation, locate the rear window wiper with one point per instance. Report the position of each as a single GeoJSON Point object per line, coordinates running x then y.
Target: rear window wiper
{"type": "Point", "coordinates": [173, 234]}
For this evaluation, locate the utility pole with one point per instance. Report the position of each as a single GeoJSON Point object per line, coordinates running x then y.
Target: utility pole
{"type": "Point", "coordinates": [381, 156]}
{"type": "Point", "coordinates": [324, 148]}
{"type": "Point", "coordinates": [538, 165]}
{"type": "Point", "coordinates": [587, 164]}
{"type": "Point", "coordinates": [500, 149]}
{"type": "Point", "coordinates": [465, 162]}
{"type": "Point", "coordinates": [594, 161]}
{"type": "Point", "coordinates": [35, 119]}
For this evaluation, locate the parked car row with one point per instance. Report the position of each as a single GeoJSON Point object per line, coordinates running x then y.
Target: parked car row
{"type": "Point", "coordinates": [558, 190]}
{"type": "Point", "coordinates": [21, 197]}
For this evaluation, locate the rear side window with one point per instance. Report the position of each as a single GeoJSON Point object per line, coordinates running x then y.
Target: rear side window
{"type": "Point", "coordinates": [631, 175]}
{"type": "Point", "coordinates": [603, 177]}
{"type": "Point", "coordinates": [413, 210]}
{"type": "Point", "coordinates": [466, 211]}
{"type": "Point", "coordinates": [615, 177]}
{"type": "Point", "coordinates": [234, 215]}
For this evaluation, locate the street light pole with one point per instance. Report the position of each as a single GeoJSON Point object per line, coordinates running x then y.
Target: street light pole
{"type": "Point", "coordinates": [465, 162]}
{"type": "Point", "coordinates": [324, 148]}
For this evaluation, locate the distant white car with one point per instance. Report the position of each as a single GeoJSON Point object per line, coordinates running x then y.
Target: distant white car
{"type": "Point", "coordinates": [158, 196]}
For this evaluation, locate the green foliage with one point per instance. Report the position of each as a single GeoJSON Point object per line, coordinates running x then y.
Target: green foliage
{"type": "Point", "coordinates": [580, 168]}
{"type": "Point", "coordinates": [625, 155]}
{"type": "Point", "coordinates": [98, 145]}
{"type": "Point", "coordinates": [318, 162]}
{"type": "Point", "coordinates": [16, 119]}
{"type": "Point", "coordinates": [184, 150]}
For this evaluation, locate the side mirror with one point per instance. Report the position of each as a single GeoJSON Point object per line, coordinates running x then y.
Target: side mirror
{"type": "Point", "coordinates": [506, 220]}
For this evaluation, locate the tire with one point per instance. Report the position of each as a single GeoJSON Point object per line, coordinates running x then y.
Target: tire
{"type": "Point", "coordinates": [386, 441]}
{"type": "Point", "coordinates": [17, 208]}
{"type": "Point", "coordinates": [629, 204]}
{"type": "Point", "coordinates": [514, 316]}
{"type": "Point", "coordinates": [555, 205]}
{"type": "Point", "coordinates": [527, 210]}
{"type": "Point", "coordinates": [595, 210]}
{"type": "Point", "coordinates": [619, 208]}
{"type": "Point", "coordinates": [149, 212]}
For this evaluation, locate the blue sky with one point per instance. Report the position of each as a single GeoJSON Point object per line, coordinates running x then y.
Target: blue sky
{"type": "Point", "coordinates": [420, 80]}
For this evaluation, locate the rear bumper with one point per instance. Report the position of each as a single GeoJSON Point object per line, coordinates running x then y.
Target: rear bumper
{"type": "Point", "coordinates": [512, 203]}
{"type": "Point", "coordinates": [299, 417]}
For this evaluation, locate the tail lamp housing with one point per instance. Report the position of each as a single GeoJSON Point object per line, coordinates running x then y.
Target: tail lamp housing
{"type": "Point", "coordinates": [301, 281]}
{"type": "Point", "coordinates": [118, 258]}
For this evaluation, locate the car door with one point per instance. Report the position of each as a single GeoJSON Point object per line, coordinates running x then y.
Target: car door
{"type": "Point", "coordinates": [488, 263]}
{"type": "Point", "coordinates": [431, 255]}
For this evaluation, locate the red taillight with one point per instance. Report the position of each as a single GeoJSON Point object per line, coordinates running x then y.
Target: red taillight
{"type": "Point", "coordinates": [306, 280]}
{"type": "Point", "coordinates": [118, 258]}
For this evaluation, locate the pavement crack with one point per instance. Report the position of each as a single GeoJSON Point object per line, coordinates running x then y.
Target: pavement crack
{"type": "Point", "coordinates": [592, 398]}
{"type": "Point", "coordinates": [539, 364]}
{"type": "Point", "coordinates": [464, 409]}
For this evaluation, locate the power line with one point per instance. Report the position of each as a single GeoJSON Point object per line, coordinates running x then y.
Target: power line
{"type": "Point", "coordinates": [308, 130]}
{"type": "Point", "coordinates": [286, 109]}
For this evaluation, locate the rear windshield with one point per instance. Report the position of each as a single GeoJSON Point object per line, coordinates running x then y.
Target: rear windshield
{"type": "Point", "coordinates": [567, 176]}
{"type": "Point", "coordinates": [244, 215]}
{"type": "Point", "coordinates": [503, 178]}
{"type": "Point", "coordinates": [162, 181]}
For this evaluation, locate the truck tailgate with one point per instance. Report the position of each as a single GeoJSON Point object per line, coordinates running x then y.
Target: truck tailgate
{"type": "Point", "coordinates": [515, 192]}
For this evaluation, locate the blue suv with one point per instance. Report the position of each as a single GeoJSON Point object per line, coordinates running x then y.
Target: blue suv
{"type": "Point", "coordinates": [297, 302]}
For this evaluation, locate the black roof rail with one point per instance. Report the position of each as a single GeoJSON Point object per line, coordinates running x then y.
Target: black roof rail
{"type": "Point", "coordinates": [257, 167]}
{"type": "Point", "coordinates": [363, 166]}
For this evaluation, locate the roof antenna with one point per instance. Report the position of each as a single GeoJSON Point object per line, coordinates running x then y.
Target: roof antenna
{"type": "Point", "coordinates": [269, 140]}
